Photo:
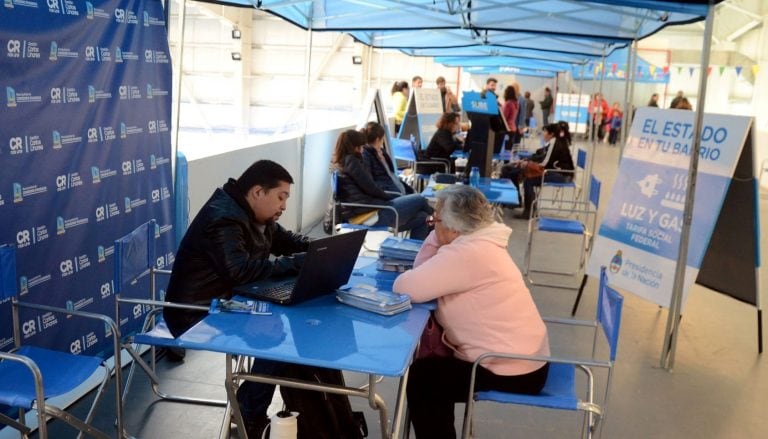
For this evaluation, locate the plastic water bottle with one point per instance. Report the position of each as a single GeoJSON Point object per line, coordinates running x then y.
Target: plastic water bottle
{"type": "Point", "coordinates": [474, 177]}
{"type": "Point", "coordinates": [413, 140]}
{"type": "Point", "coordinates": [283, 425]}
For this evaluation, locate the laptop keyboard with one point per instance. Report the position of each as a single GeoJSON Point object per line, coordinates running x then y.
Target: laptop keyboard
{"type": "Point", "coordinates": [279, 291]}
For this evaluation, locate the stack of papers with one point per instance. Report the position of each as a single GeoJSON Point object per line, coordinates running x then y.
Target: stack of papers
{"type": "Point", "coordinates": [370, 298]}
{"type": "Point", "coordinates": [400, 248]}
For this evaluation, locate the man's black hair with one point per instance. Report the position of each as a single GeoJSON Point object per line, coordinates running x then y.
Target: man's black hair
{"type": "Point", "coordinates": [264, 173]}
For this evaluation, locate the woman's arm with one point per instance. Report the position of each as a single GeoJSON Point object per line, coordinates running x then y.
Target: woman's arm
{"type": "Point", "coordinates": [356, 171]}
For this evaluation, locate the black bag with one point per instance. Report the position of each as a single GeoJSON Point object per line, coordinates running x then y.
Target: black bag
{"type": "Point", "coordinates": [323, 415]}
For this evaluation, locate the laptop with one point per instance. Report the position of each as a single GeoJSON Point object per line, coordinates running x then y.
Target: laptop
{"type": "Point", "coordinates": [327, 266]}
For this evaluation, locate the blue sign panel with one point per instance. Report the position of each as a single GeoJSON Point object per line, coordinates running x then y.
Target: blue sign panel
{"type": "Point", "coordinates": [85, 152]}
{"type": "Point", "coordinates": [639, 236]}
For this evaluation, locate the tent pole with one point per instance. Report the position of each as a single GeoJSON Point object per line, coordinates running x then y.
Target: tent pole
{"type": "Point", "coordinates": [177, 96]}
{"type": "Point", "coordinates": [675, 305]}
{"type": "Point", "coordinates": [578, 105]}
{"type": "Point", "coordinates": [629, 91]}
{"type": "Point", "coordinates": [594, 140]}
{"type": "Point", "coordinates": [303, 138]}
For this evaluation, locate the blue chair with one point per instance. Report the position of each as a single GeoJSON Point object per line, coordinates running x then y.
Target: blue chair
{"type": "Point", "coordinates": [31, 375]}
{"type": "Point", "coordinates": [135, 260]}
{"type": "Point", "coordinates": [579, 218]}
{"type": "Point", "coordinates": [574, 184]}
{"type": "Point", "coordinates": [363, 221]}
{"type": "Point", "coordinates": [560, 391]}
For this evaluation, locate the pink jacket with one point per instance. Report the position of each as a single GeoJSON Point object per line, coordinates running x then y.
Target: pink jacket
{"type": "Point", "coordinates": [482, 301]}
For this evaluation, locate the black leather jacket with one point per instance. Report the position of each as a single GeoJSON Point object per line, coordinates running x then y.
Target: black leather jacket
{"type": "Point", "coordinates": [223, 248]}
{"type": "Point", "coordinates": [356, 185]}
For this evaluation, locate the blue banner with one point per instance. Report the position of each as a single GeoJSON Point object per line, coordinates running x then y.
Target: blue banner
{"type": "Point", "coordinates": [639, 235]}
{"type": "Point", "coordinates": [473, 102]}
{"type": "Point", "coordinates": [86, 156]}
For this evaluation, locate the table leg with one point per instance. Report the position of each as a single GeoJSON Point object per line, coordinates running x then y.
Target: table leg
{"type": "Point", "coordinates": [400, 408]}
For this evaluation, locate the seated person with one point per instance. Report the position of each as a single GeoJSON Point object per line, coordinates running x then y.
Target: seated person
{"type": "Point", "coordinates": [229, 243]}
{"type": "Point", "coordinates": [356, 185]}
{"type": "Point", "coordinates": [444, 142]}
{"type": "Point", "coordinates": [483, 306]}
{"type": "Point", "coordinates": [558, 158]}
{"type": "Point", "coordinates": [379, 163]}
{"type": "Point", "coordinates": [515, 170]}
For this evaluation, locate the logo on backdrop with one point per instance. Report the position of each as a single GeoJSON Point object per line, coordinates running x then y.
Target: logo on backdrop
{"type": "Point", "coordinates": [63, 95]}
{"type": "Point", "coordinates": [20, 192]}
{"type": "Point", "coordinates": [95, 94]}
{"type": "Point", "coordinates": [23, 49]}
{"type": "Point", "coordinates": [62, 224]}
{"type": "Point", "coordinates": [10, 95]}
{"type": "Point", "coordinates": [34, 235]}
{"type": "Point", "coordinates": [68, 181]}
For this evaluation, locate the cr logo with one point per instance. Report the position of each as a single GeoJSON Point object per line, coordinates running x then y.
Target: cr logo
{"type": "Point", "coordinates": [106, 290]}
{"type": "Point", "coordinates": [160, 262]}
{"type": "Point", "coordinates": [61, 181]}
{"type": "Point", "coordinates": [137, 311]}
{"type": "Point", "coordinates": [90, 52]}
{"type": "Point", "coordinates": [55, 94]}
{"type": "Point", "coordinates": [14, 46]}
{"type": "Point", "coordinates": [127, 167]}
{"type": "Point", "coordinates": [148, 55]}
{"type": "Point", "coordinates": [99, 213]}
{"type": "Point", "coordinates": [29, 327]}
{"type": "Point", "coordinates": [22, 238]}
{"type": "Point", "coordinates": [119, 14]}
{"type": "Point", "coordinates": [15, 143]}
{"type": "Point", "coordinates": [66, 267]}
{"type": "Point", "coordinates": [155, 195]}
{"type": "Point", "coordinates": [75, 347]}
{"type": "Point", "coordinates": [53, 4]}
{"type": "Point", "coordinates": [91, 134]}
{"type": "Point", "coordinates": [123, 90]}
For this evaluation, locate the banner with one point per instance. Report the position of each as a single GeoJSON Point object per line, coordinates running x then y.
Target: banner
{"type": "Point", "coordinates": [424, 110]}
{"type": "Point", "coordinates": [639, 235]}
{"type": "Point", "coordinates": [574, 109]}
{"type": "Point", "coordinates": [86, 156]}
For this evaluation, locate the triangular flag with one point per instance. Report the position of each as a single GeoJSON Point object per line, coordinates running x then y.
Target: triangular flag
{"type": "Point", "coordinates": [738, 70]}
{"type": "Point", "coordinates": [709, 70]}
{"type": "Point", "coordinates": [666, 70]}
{"type": "Point", "coordinates": [690, 71]}
{"type": "Point", "coordinates": [755, 69]}
{"type": "Point", "coordinates": [613, 67]}
{"type": "Point", "coordinates": [722, 69]}
{"type": "Point", "coordinates": [639, 72]}
{"type": "Point", "coordinates": [679, 69]}
{"type": "Point", "coordinates": [652, 70]}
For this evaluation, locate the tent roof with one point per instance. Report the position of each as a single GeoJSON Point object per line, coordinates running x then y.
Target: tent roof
{"type": "Point", "coordinates": [619, 20]}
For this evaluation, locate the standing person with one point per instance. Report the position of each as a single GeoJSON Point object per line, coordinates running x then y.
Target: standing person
{"type": "Point", "coordinates": [235, 239]}
{"type": "Point", "coordinates": [356, 185]}
{"type": "Point", "coordinates": [529, 107]}
{"type": "Point", "coordinates": [449, 100]}
{"type": "Point", "coordinates": [546, 106]}
{"type": "Point", "coordinates": [522, 123]}
{"type": "Point", "coordinates": [598, 110]}
{"type": "Point", "coordinates": [654, 101]}
{"type": "Point", "coordinates": [490, 87]}
{"type": "Point", "coordinates": [683, 104]}
{"type": "Point", "coordinates": [615, 117]}
{"type": "Point", "coordinates": [417, 81]}
{"type": "Point", "coordinates": [483, 306]}
{"type": "Point", "coordinates": [379, 163]}
{"type": "Point", "coordinates": [399, 102]}
{"type": "Point", "coordinates": [510, 110]}
{"type": "Point", "coordinates": [680, 96]}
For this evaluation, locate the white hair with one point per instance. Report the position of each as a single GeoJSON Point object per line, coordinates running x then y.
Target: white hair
{"type": "Point", "coordinates": [464, 209]}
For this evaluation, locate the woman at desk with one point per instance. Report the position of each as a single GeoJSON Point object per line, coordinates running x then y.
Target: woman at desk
{"type": "Point", "coordinates": [483, 306]}
{"type": "Point", "coordinates": [356, 185]}
{"type": "Point", "coordinates": [557, 158]}
{"type": "Point", "coordinates": [444, 142]}
{"type": "Point", "coordinates": [379, 163]}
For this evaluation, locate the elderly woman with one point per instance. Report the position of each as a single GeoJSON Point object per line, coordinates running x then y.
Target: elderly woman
{"type": "Point", "coordinates": [483, 306]}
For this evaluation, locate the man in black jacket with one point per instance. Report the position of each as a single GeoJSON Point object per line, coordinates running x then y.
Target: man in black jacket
{"type": "Point", "coordinates": [229, 243]}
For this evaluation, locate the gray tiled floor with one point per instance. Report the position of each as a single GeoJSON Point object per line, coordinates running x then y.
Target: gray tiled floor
{"type": "Point", "coordinates": [719, 388]}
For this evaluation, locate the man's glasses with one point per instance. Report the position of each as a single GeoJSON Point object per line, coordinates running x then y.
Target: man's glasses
{"type": "Point", "coordinates": [431, 221]}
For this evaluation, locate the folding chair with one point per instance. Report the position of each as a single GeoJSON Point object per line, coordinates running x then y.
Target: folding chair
{"type": "Point", "coordinates": [362, 221]}
{"type": "Point", "coordinates": [134, 260]}
{"type": "Point", "coordinates": [420, 179]}
{"type": "Point", "coordinates": [574, 184]}
{"type": "Point", "coordinates": [560, 391]}
{"type": "Point", "coordinates": [531, 132]}
{"type": "Point", "coordinates": [578, 220]}
{"type": "Point", "coordinates": [30, 375]}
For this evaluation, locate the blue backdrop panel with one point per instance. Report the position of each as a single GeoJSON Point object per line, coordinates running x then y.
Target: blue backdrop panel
{"type": "Point", "coordinates": [85, 151]}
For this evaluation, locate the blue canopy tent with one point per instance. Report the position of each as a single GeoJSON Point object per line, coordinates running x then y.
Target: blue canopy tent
{"type": "Point", "coordinates": [505, 70]}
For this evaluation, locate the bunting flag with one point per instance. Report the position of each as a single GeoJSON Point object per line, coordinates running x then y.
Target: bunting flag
{"type": "Point", "coordinates": [679, 69]}
{"type": "Point", "coordinates": [690, 71]}
{"type": "Point", "coordinates": [755, 69]}
{"type": "Point", "coordinates": [652, 70]}
{"type": "Point", "coordinates": [666, 70]}
{"type": "Point", "coordinates": [722, 69]}
{"type": "Point", "coordinates": [709, 71]}
{"type": "Point", "coordinates": [614, 66]}
{"type": "Point", "coordinates": [738, 70]}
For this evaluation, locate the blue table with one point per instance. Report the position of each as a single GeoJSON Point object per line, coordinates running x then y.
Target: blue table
{"type": "Point", "coordinates": [321, 332]}
{"type": "Point", "coordinates": [498, 191]}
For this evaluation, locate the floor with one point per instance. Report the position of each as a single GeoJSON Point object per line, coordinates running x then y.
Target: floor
{"type": "Point", "coordinates": [718, 388]}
